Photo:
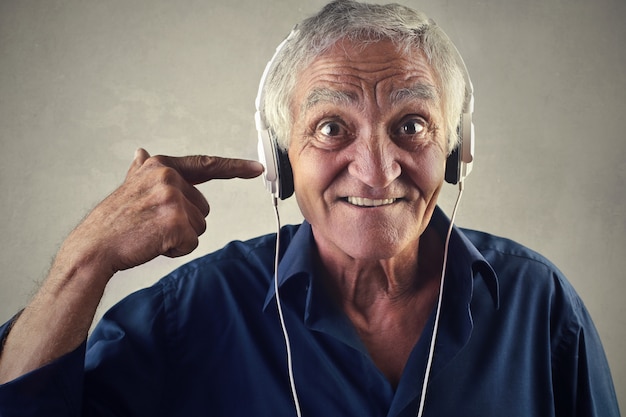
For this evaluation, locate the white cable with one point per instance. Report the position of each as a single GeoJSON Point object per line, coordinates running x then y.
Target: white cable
{"type": "Point", "coordinates": [433, 339]}
{"type": "Point", "coordinates": [292, 381]}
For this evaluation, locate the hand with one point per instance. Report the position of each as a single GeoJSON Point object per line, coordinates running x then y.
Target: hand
{"type": "Point", "coordinates": [156, 211]}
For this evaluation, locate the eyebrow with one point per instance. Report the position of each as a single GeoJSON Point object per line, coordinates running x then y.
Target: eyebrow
{"type": "Point", "coordinates": [326, 95]}
{"type": "Point", "coordinates": [417, 92]}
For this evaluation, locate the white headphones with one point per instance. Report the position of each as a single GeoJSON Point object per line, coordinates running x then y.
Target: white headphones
{"type": "Point", "coordinates": [278, 176]}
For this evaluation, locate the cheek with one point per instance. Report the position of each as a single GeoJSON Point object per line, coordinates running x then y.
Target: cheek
{"type": "Point", "coordinates": [427, 170]}
{"type": "Point", "coordinates": [312, 176]}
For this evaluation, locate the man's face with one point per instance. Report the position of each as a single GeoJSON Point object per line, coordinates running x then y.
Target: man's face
{"type": "Point", "coordinates": [367, 149]}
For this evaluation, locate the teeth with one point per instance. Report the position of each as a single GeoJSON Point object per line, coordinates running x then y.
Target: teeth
{"type": "Point", "coordinates": [368, 202]}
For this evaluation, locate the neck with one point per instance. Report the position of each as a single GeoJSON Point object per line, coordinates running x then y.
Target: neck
{"type": "Point", "coordinates": [361, 284]}
{"type": "Point", "coordinates": [389, 301]}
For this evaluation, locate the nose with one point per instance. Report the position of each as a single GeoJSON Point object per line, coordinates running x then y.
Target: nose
{"type": "Point", "coordinates": [374, 163]}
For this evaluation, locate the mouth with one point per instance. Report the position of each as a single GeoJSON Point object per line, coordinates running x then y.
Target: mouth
{"type": "Point", "coordinates": [368, 202]}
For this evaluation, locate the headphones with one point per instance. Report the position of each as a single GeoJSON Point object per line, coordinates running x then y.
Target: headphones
{"type": "Point", "coordinates": [278, 176]}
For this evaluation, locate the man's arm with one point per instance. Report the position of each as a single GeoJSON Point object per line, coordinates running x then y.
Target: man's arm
{"type": "Point", "coordinates": [156, 211]}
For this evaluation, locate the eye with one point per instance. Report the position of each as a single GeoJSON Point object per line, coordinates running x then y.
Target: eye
{"type": "Point", "coordinates": [412, 132]}
{"type": "Point", "coordinates": [330, 129]}
{"type": "Point", "coordinates": [413, 127]}
{"type": "Point", "coordinates": [332, 134]}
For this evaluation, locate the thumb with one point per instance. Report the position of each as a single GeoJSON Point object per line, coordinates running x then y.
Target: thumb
{"type": "Point", "coordinates": [141, 156]}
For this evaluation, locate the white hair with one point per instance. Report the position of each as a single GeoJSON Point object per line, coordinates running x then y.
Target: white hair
{"type": "Point", "coordinates": [408, 29]}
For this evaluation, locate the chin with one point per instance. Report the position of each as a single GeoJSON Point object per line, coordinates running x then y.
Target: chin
{"type": "Point", "coordinates": [375, 243]}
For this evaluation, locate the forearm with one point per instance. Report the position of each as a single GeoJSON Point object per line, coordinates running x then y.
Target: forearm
{"type": "Point", "coordinates": [58, 318]}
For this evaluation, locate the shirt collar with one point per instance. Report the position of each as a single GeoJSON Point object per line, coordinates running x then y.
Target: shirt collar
{"type": "Point", "coordinates": [300, 256]}
{"type": "Point", "coordinates": [298, 259]}
{"type": "Point", "coordinates": [464, 256]}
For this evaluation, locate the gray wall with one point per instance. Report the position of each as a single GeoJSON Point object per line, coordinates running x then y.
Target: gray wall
{"type": "Point", "coordinates": [84, 83]}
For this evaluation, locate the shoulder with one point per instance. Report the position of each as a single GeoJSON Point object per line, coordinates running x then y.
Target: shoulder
{"type": "Point", "coordinates": [494, 247]}
{"type": "Point", "coordinates": [507, 256]}
{"type": "Point", "coordinates": [532, 289]}
{"type": "Point", "coordinates": [541, 315]}
{"type": "Point", "coordinates": [526, 275]}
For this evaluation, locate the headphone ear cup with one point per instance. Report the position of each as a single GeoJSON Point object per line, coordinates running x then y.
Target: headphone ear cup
{"type": "Point", "coordinates": [285, 174]}
{"type": "Point", "coordinates": [466, 148]}
{"type": "Point", "coordinates": [460, 161]}
{"type": "Point", "coordinates": [277, 177]}
{"type": "Point", "coordinates": [453, 166]}
{"type": "Point", "coordinates": [453, 163]}
{"type": "Point", "coordinates": [267, 157]}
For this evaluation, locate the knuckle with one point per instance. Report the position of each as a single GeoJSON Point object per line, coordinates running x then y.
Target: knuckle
{"type": "Point", "coordinates": [170, 196]}
{"type": "Point", "coordinates": [176, 222]}
{"type": "Point", "coordinates": [206, 209]}
{"type": "Point", "coordinates": [154, 162]}
{"type": "Point", "coordinates": [202, 205]}
{"type": "Point", "coordinates": [158, 159]}
{"type": "Point", "coordinates": [201, 226]}
{"type": "Point", "coordinates": [182, 245]}
{"type": "Point", "coordinates": [167, 175]}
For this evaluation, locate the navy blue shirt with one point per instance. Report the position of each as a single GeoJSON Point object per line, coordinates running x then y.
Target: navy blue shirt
{"type": "Point", "coordinates": [514, 340]}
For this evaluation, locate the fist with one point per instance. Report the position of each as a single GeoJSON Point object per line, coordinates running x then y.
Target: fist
{"type": "Point", "coordinates": [156, 211]}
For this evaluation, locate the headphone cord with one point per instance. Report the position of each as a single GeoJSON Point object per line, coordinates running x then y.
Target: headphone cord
{"type": "Point", "coordinates": [433, 339]}
{"type": "Point", "coordinates": [292, 381]}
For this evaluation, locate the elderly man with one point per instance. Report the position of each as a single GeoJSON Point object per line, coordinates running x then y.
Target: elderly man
{"type": "Point", "coordinates": [367, 123]}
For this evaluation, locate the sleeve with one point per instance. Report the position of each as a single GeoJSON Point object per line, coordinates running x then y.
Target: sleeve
{"type": "Point", "coordinates": [52, 390]}
{"type": "Point", "coordinates": [120, 370]}
{"type": "Point", "coordinates": [582, 380]}
{"type": "Point", "coordinates": [127, 362]}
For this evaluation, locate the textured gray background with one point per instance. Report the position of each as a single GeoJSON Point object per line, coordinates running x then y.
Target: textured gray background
{"type": "Point", "coordinates": [84, 83]}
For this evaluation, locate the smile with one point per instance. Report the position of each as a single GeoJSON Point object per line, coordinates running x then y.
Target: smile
{"type": "Point", "coordinates": [368, 202]}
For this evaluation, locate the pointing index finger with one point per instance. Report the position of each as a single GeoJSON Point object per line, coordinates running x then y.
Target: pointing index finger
{"type": "Point", "coordinates": [202, 168]}
{"type": "Point", "coordinates": [225, 168]}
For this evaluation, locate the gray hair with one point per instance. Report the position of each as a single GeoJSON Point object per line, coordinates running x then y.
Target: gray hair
{"type": "Point", "coordinates": [408, 29]}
